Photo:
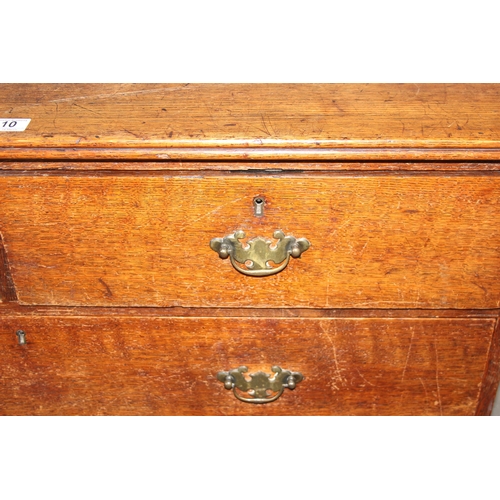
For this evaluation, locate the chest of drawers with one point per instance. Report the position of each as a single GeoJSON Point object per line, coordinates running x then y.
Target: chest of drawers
{"type": "Point", "coordinates": [341, 242]}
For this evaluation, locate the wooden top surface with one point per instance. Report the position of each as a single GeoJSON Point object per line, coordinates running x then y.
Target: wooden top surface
{"type": "Point", "coordinates": [252, 121]}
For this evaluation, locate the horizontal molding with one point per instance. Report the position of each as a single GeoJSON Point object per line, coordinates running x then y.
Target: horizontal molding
{"type": "Point", "coordinates": [246, 154]}
{"type": "Point", "coordinates": [14, 309]}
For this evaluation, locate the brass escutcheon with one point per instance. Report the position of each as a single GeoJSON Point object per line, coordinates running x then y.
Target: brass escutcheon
{"type": "Point", "coordinates": [257, 389]}
{"type": "Point", "coordinates": [253, 259]}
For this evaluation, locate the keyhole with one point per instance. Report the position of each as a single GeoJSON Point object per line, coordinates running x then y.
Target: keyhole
{"type": "Point", "coordinates": [258, 206]}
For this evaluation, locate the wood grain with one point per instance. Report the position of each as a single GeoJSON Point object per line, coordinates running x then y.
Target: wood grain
{"type": "Point", "coordinates": [381, 241]}
{"type": "Point", "coordinates": [111, 196]}
{"type": "Point", "coordinates": [86, 365]}
{"type": "Point", "coordinates": [207, 121]}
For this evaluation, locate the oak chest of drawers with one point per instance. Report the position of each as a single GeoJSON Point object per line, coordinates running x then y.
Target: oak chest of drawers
{"type": "Point", "coordinates": [341, 242]}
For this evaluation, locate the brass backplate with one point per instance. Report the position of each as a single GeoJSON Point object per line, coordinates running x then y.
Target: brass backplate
{"type": "Point", "coordinates": [259, 387]}
{"type": "Point", "coordinates": [259, 256]}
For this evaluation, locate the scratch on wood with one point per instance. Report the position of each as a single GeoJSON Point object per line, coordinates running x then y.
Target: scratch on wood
{"type": "Point", "coordinates": [437, 379]}
{"type": "Point", "coordinates": [408, 355]}
{"type": "Point", "coordinates": [131, 133]}
{"type": "Point", "coordinates": [108, 292]}
{"type": "Point", "coordinates": [337, 106]}
{"type": "Point", "coordinates": [339, 377]}
{"type": "Point", "coordinates": [425, 389]}
{"type": "Point", "coordinates": [369, 383]}
{"type": "Point", "coordinates": [133, 92]}
{"type": "Point", "coordinates": [376, 304]}
{"type": "Point", "coordinates": [55, 116]}
{"type": "Point", "coordinates": [271, 125]}
{"type": "Point", "coordinates": [100, 96]}
{"type": "Point", "coordinates": [212, 212]}
{"type": "Point", "coordinates": [86, 109]}
{"type": "Point", "coordinates": [264, 125]}
{"type": "Point", "coordinates": [481, 287]}
{"type": "Point", "coordinates": [328, 290]}
{"type": "Point", "coordinates": [363, 249]}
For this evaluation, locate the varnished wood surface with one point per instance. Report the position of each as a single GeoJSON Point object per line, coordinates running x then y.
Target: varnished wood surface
{"type": "Point", "coordinates": [110, 198]}
{"type": "Point", "coordinates": [380, 241]}
{"type": "Point", "coordinates": [202, 121]}
{"type": "Point", "coordinates": [85, 365]}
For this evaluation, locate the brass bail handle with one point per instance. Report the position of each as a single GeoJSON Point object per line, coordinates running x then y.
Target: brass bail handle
{"type": "Point", "coordinates": [261, 387]}
{"type": "Point", "coordinates": [253, 259]}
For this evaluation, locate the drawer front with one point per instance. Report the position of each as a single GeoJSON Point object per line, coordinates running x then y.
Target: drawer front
{"type": "Point", "coordinates": [379, 241]}
{"type": "Point", "coordinates": [168, 366]}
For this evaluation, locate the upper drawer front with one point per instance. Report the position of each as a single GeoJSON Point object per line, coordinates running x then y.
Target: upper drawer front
{"type": "Point", "coordinates": [377, 241]}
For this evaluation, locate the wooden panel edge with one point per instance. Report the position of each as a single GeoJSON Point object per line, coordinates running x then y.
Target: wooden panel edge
{"type": "Point", "coordinates": [491, 378]}
{"type": "Point", "coordinates": [7, 289]}
{"type": "Point", "coordinates": [16, 309]}
{"type": "Point", "coordinates": [265, 167]}
{"type": "Point", "coordinates": [308, 154]}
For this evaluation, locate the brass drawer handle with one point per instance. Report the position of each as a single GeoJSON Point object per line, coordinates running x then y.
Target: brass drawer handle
{"type": "Point", "coordinates": [253, 258]}
{"type": "Point", "coordinates": [260, 384]}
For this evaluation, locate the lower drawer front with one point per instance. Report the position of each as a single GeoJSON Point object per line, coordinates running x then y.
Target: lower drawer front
{"type": "Point", "coordinates": [168, 366]}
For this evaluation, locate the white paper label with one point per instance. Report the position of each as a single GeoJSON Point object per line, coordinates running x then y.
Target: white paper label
{"type": "Point", "coordinates": [14, 124]}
